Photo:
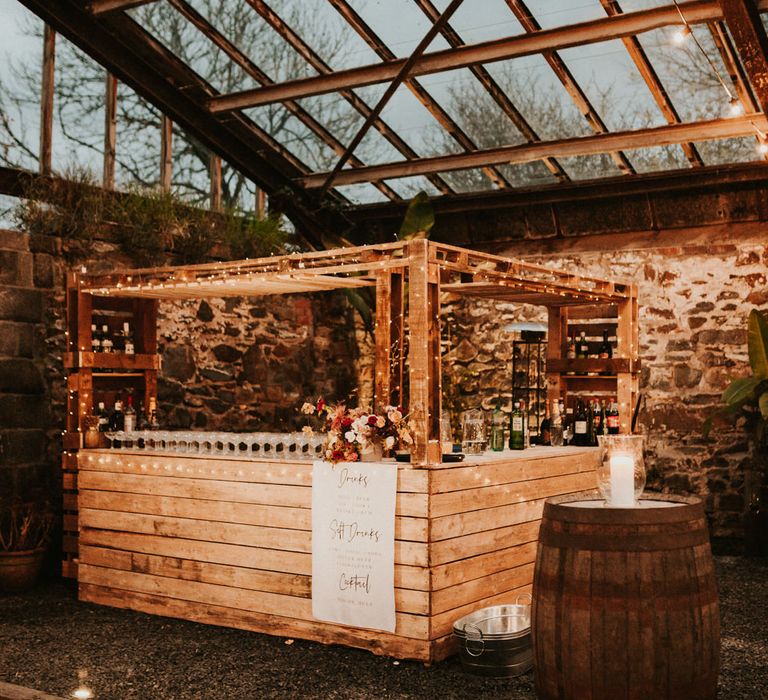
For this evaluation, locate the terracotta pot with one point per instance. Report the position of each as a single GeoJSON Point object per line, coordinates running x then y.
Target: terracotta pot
{"type": "Point", "coordinates": [19, 570]}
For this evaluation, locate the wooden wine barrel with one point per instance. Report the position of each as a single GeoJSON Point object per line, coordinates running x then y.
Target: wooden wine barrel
{"type": "Point", "coordinates": [625, 601]}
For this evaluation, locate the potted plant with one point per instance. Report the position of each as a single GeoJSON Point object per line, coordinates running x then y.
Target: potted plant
{"type": "Point", "coordinates": [746, 402]}
{"type": "Point", "coordinates": [25, 531]}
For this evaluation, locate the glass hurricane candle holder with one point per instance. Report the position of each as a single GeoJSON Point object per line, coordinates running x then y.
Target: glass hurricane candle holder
{"type": "Point", "coordinates": [621, 474]}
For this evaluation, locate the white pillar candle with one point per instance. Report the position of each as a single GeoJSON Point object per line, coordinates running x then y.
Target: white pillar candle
{"type": "Point", "coordinates": [622, 480]}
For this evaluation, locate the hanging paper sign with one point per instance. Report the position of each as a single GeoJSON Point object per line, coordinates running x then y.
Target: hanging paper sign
{"type": "Point", "coordinates": [353, 544]}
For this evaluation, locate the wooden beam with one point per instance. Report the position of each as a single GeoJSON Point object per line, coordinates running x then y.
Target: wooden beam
{"type": "Point", "coordinates": [166, 153]}
{"type": "Point", "coordinates": [261, 203]}
{"type": "Point", "coordinates": [652, 80]}
{"type": "Point", "coordinates": [377, 45]}
{"type": "Point", "coordinates": [46, 100]}
{"type": "Point", "coordinates": [580, 146]}
{"type": "Point", "coordinates": [746, 27]}
{"type": "Point", "coordinates": [494, 90]}
{"type": "Point", "coordinates": [580, 34]}
{"type": "Point", "coordinates": [572, 87]}
{"type": "Point", "coordinates": [214, 169]}
{"type": "Point", "coordinates": [110, 131]}
{"type": "Point", "coordinates": [238, 57]}
{"type": "Point", "coordinates": [406, 68]}
{"type": "Point", "coordinates": [100, 7]}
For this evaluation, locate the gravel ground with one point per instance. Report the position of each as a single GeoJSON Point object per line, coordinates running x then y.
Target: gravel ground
{"type": "Point", "coordinates": [47, 637]}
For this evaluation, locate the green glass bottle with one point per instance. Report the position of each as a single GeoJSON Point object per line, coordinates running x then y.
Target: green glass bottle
{"type": "Point", "coordinates": [517, 428]}
{"type": "Point", "coordinates": [497, 428]}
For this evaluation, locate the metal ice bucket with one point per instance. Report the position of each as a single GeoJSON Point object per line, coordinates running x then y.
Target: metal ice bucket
{"type": "Point", "coordinates": [496, 641]}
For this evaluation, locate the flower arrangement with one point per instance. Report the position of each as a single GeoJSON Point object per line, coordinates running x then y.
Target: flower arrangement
{"type": "Point", "coordinates": [353, 432]}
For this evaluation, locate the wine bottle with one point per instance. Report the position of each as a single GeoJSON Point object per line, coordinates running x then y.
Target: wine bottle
{"type": "Point", "coordinates": [545, 429]}
{"type": "Point", "coordinates": [582, 347]}
{"type": "Point", "coordinates": [571, 350]}
{"type": "Point", "coordinates": [118, 341]}
{"type": "Point", "coordinates": [568, 436]}
{"type": "Point", "coordinates": [129, 420]}
{"type": "Point", "coordinates": [556, 425]}
{"type": "Point", "coordinates": [101, 413]}
{"type": "Point", "coordinates": [128, 335]}
{"type": "Point", "coordinates": [581, 425]}
{"type": "Point", "coordinates": [95, 339]}
{"type": "Point", "coordinates": [106, 341]}
{"type": "Point", "coordinates": [154, 423]}
{"type": "Point", "coordinates": [117, 417]}
{"type": "Point", "coordinates": [516, 428]}
{"type": "Point", "coordinates": [605, 352]}
{"type": "Point", "coordinates": [533, 426]}
{"type": "Point", "coordinates": [497, 428]}
{"type": "Point", "coordinates": [612, 418]}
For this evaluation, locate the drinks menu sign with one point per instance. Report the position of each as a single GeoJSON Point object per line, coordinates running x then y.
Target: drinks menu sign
{"type": "Point", "coordinates": [353, 544]}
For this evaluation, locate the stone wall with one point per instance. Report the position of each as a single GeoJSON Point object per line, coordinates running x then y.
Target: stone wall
{"type": "Point", "coordinates": [694, 304]}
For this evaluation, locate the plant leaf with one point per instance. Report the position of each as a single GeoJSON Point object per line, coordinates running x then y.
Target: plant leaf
{"type": "Point", "coordinates": [762, 402]}
{"type": "Point", "coordinates": [419, 218]}
{"type": "Point", "coordinates": [740, 390]}
{"type": "Point", "coordinates": [758, 344]}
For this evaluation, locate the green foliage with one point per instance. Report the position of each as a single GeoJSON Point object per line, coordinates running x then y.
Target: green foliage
{"type": "Point", "coordinates": [747, 397]}
{"type": "Point", "coordinates": [148, 224]}
{"type": "Point", "coordinates": [419, 219]}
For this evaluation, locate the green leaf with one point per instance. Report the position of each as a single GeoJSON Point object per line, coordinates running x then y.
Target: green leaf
{"type": "Point", "coordinates": [740, 390]}
{"type": "Point", "coordinates": [419, 218]}
{"type": "Point", "coordinates": [758, 344]}
{"type": "Point", "coordinates": [762, 402]}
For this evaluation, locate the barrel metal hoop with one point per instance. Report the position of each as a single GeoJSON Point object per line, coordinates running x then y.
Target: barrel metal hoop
{"type": "Point", "coordinates": [627, 543]}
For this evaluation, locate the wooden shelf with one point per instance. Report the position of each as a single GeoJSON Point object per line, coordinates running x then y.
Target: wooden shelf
{"type": "Point", "coordinates": [111, 360]}
{"type": "Point", "coordinates": [582, 366]}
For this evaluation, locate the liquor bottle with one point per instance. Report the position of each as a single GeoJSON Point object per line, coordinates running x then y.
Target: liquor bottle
{"type": "Point", "coordinates": [103, 417]}
{"type": "Point", "coordinates": [497, 428]}
{"type": "Point", "coordinates": [603, 418]}
{"type": "Point", "coordinates": [154, 423]}
{"type": "Point", "coordinates": [612, 418]}
{"type": "Point", "coordinates": [95, 339]}
{"type": "Point", "coordinates": [118, 341]}
{"type": "Point", "coordinates": [117, 417]}
{"type": "Point", "coordinates": [556, 425]}
{"type": "Point", "coordinates": [533, 426]}
{"type": "Point", "coordinates": [106, 341]}
{"type": "Point", "coordinates": [142, 420]}
{"type": "Point", "coordinates": [128, 335]}
{"type": "Point", "coordinates": [130, 416]}
{"type": "Point", "coordinates": [545, 429]}
{"type": "Point", "coordinates": [597, 426]}
{"type": "Point", "coordinates": [581, 426]}
{"type": "Point", "coordinates": [571, 349]}
{"type": "Point", "coordinates": [582, 347]}
{"type": "Point", "coordinates": [605, 352]}
{"type": "Point", "coordinates": [568, 427]}
{"type": "Point", "coordinates": [516, 428]}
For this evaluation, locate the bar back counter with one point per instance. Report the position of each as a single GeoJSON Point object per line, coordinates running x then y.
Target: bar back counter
{"type": "Point", "coordinates": [227, 540]}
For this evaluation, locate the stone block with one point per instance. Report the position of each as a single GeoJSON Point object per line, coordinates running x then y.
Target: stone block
{"type": "Point", "coordinates": [20, 376]}
{"type": "Point", "coordinates": [18, 304]}
{"type": "Point", "coordinates": [179, 362]}
{"type": "Point", "coordinates": [226, 353]}
{"type": "Point", "coordinates": [17, 339]}
{"type": "Point", "coordinates": [205, 312]}
{"type": "Point", "coordinates": [13, 240]}
{"type": "Point", "coordinates": [16, 268]}
{"type": "Point", "coordinates": [45, 244]}
{"type": "Point", "coordinates": [22, 446]}
{"type": "Point", "coordinates": [43, 270]}
{"type": "Point", "coordinates": [20, 411]}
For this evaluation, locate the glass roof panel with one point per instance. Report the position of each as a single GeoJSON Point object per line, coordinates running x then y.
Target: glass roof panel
{"type": "Point", "coordinates": [657, 158]}
{"type": "Point", "coordinates": [528, 174]}
{"type": "Point", "coordinates": [470, 180]}
{"type": "Point", "coordinates": [590, 167]}
{"type": "Point", "coordinates": [738, 150]}
{"type": "Point", "coordinates": [558, 13]}
{"type": "Point", "coordinates": [408, 187]}
{"type": "Point", "coordinates": [362, 193]}
{"type": "Point", "coordinates": [482, 20]}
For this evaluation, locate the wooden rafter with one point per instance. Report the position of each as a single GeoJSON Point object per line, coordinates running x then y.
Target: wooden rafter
{"type": "Point", "coordinates": [736, 72]}
{"type": "Point", "coordinates": [137, 59]}
{"type": "Point", "coordinates": [402, 75]}
{"type": "Point", "coordinates": [582, 146]}
{"type": "Point", "coordinates": [99, 7]}
{"type": "Point", "coordinates": [652, 80]}
{"type": "Point", "coordinates": [249, 67]}
{"type": "Point", "coordinates": [110, 131]}
{"type": "Point", "coordinates": [419, 91]}
{"type": "Point", "coordinates": [583, 33]}
{"type": "Point", "coordinates": [746, 27]}
{"type": "Point", "coordinates": [494, 90]}
{"type": "Point", "coordinates": [571, 85]}
{"type": "Point", "coordinates": [46, 100]}
{"type": "Point", "coordinates": [166, 153]}
{"type": "Point", "coordinates": [316, 61]}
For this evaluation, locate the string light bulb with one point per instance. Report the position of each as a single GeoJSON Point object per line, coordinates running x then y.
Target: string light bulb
{"type": "Point", "coordinates": [735, 107]}
{"type": "Point", "coordinates": [680, 36]}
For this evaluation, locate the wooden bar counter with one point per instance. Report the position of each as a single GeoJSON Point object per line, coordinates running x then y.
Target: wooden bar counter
{"type": "Point", "coordinates": [227, 541]}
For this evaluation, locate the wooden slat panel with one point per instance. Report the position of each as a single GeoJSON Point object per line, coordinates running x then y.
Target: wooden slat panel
{"type": "Point", "coordinates": [457, 548]}
{"type": "Point", "coordinates": [478, 520]}
{"type": "Point", "coordinates": [375, 641]}
{"type": "Point", "coordinates": [413, 529]}
{"type": "Point", "coordinates": [455, 573]}
{"type": "Point", "coordinates": [300, 586]}
{"type": "Point", "coordinates": [492, 496]}
{"type": "Point", "coordinates": [408, 504]}
{"type": "Point", "coordinates": [412, 577]}
{"type": "Point", "coordinates": [211, 594]}
{"type": "Point", "coordinates": [279, 539]}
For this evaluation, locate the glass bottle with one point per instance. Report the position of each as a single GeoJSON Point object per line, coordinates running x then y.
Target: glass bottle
{"type": "Point", "coordinates": [545, 429]}
{"type": "Point", "coordinates": [497, 428]}
{"type": "Point", "coordinates": [605, 352]}
{"type": "Point", "coordinates": [612, 418]}
{"type": "Point", "coordinates": [128, 337]}
{"type": "Point", "coordinates": [95, 339]}
{"type": "Point", "coordinates": [106, 341]}
{"type": "Point", "coordinates": [129, 421]}
{"type": "Point", "coordinates": [556, 425]}
{"type": "Point", "coordinates": [516, 428]}
{"type": "Point", "coordinates": [582, 347]}
{"type": "Point", "coordinates": [581, 426]}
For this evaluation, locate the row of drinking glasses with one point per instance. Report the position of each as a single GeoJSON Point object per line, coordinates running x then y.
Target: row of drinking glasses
{"type": "Point", "coordinates": [265, 445]}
